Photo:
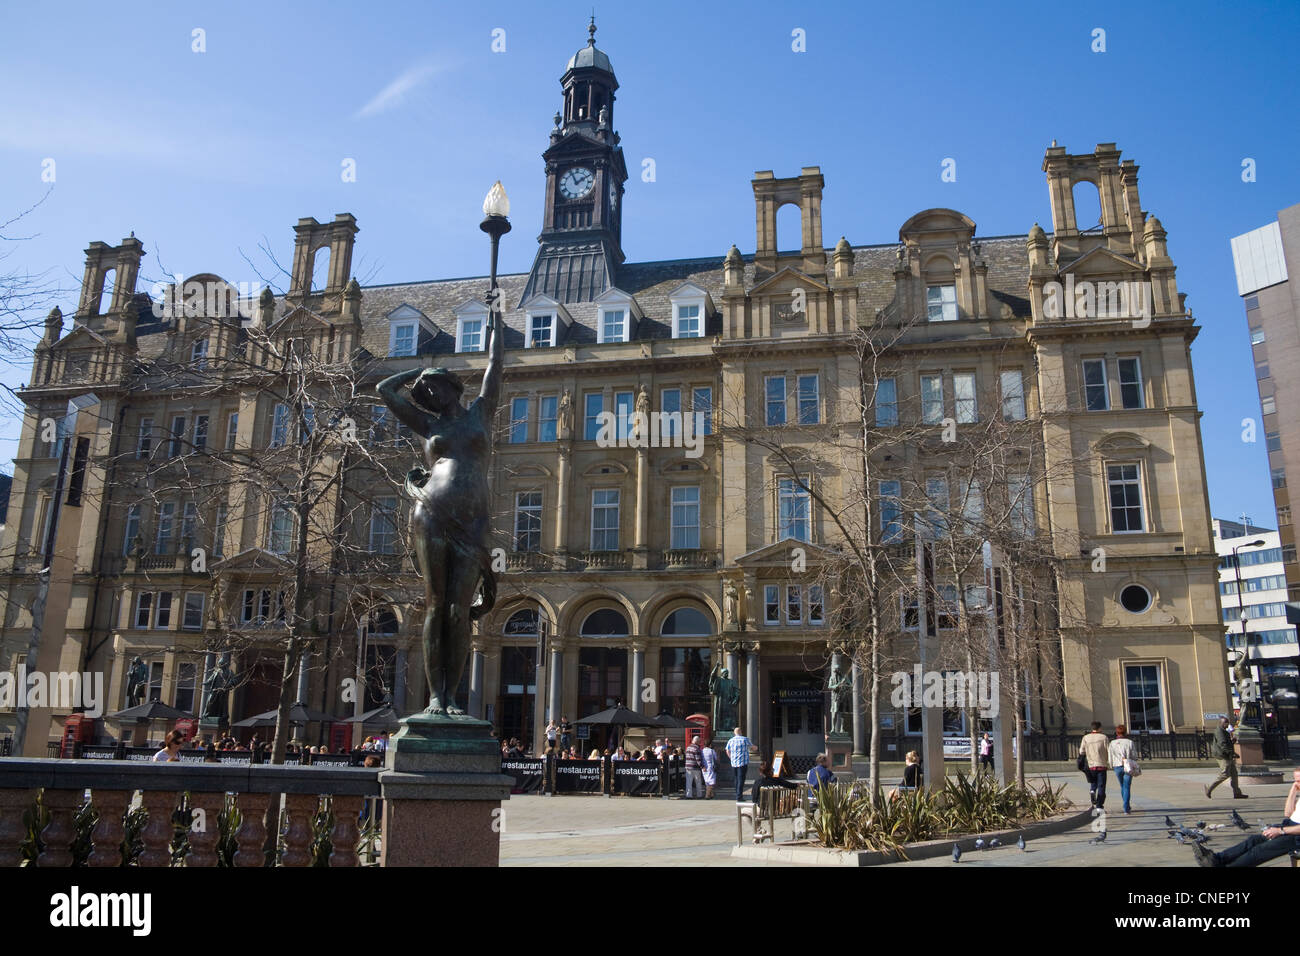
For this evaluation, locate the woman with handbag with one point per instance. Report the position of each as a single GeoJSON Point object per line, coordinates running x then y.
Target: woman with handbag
{"type": "Point", "coordinates": [1123, 758]}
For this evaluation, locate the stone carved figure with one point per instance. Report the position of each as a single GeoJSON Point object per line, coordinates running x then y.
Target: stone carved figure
{"type": "Point", "coordinates": [217, 683]}
{"type": "Point", "coordinates": [732, 602]}
{"type": "Point", "coordinates": [451, 519]}
{"type": "Point", "coordinates": [564, 419]}
{"type": "Point", "coordinates": [137, 678]}
{"type": "Point", "coordinates": [841, 689]}
{"type": "Point", "coordinates": [726, 698]}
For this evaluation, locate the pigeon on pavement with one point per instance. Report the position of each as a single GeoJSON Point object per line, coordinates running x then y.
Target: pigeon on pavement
{"type": "Point", "coordinates": [1236, 818]}
{"type": "Point", "coordinates": [1169, 822]}
{"type": "Point", "coordinates": [1021, 842]}
{"type": "Point", "coordinates": [956, 853]}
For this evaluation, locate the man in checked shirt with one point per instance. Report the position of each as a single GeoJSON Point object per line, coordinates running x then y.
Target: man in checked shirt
{"type": "Point", "coordinates": [738, 753]}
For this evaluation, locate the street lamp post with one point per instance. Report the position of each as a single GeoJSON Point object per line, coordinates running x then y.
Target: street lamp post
{"type": "Point", "coordinates": [1244, 665]}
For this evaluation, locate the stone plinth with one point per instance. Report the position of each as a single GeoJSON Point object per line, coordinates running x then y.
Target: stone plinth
{"type": "Point", "coordinates": [1251, 768]}
{"type": "Point", "coordinates": [839, 749]}
{"type": "Point", "coordinates": [442, 790]}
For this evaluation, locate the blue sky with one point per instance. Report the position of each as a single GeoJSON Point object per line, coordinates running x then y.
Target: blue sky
{"type": "Point", "coordinates": [207, 156]}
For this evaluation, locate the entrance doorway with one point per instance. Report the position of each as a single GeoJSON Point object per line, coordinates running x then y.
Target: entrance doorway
{"type": "Point", "coordinates": [797, 714]}
{"type": "Point", "coordinates": [602, 677]}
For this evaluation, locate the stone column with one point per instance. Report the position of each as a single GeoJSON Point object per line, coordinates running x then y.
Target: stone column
{"type": "Point", "coordinates": [476, 682]}
{"type": "Point", "coordinates": [303, 663]}
{"type": "Point", "coordinates": [636, 675]}
{"type": "Point", "coordinates": [561, 497]}
{"type": "Point", "coordinates": [640, 552]}
{"type": "Point", "coordinates": [555, 675]}
{"type": "Point", "coordinates": [209, 665]}
{"type": "Point", "coordinates": [860, 707]}
{"type": "Point", "coordinates": [753, 709]}
{"type": "Point", "coordinates": [399, 681]}
{"type": "Point", "coordinates": [442, 790]}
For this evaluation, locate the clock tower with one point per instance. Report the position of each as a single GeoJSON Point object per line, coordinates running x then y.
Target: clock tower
{"type": "Point", "coordinates": [580, 249]}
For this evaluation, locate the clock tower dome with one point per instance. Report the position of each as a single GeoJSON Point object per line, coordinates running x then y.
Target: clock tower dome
{"type": "Point", "coordinates": [580, 249]}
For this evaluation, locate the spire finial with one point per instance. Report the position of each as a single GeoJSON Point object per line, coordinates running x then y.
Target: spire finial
{"type": "Point", "coordinates": [591, 30]}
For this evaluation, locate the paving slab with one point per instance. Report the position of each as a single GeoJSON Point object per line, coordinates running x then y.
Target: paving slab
{"type": "Point", "coordinates": [573, 830]}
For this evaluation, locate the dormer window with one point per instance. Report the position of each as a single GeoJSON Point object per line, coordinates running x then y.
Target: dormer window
{"type": "Point", "coordinates": [405, 325]}
{"type": "Point", "coordinates": [401, 340]}
{"type": "Point", "coordinates": [691, 306]}
{"type": "Point", "coordinates": [616, 316]}
{"type": "Point", "coordinates": [613, 325]}
{"type": "Point", "coordinates": [941, 303]}
{"type": "Point", "coordinates": [469, 335]}
{"type": "Point", "coordinates": [686, 323]}
{"type": "Point", "coordinates": [541, 331]}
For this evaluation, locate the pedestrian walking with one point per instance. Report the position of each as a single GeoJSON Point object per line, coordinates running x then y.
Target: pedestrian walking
{"type": "Point", "coordinates": [986, 753]}
{"type": "Point", "coordinates": [1273, 842]}
{"type": "Point", "coordinates": [566, 732]}
{"type": "Point", "coordinates": [738, 753]}
{"type": "Point", "coordinates": [552, 733]}
{"type": "Point", "coordinates": [1095, 748]}
{"type": "Point", "coordinates": [1123, 759]}
{"type": "Point", "coordinates": [694, 776]}
{"type": "Point", "coordinates": [1221, 748]}
{"type": "Point", "coordinates": [709, 768]}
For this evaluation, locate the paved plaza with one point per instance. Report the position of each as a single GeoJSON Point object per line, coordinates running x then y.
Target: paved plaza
{"type": "Point", "coordinates": [650, 831]}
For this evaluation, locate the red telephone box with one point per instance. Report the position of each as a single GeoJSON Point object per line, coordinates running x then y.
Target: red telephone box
{"type": "Point", "coordinates": [340, 737]}
{"type": "Point", "coordinates": [701, 724]}
{"type": "Point", "coordinates": [77, 729]}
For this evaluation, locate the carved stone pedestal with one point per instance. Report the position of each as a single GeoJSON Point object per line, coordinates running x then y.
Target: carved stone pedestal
{"type": "Point", "coordinates": [442, 791]}
{"type": "Point", "coordinates": [839, 750]}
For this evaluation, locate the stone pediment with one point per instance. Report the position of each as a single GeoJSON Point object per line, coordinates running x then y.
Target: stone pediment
{"type": "Point", "coordinates": [81, 336]}
{"type": "Point", "coordinates": [607, 467]}
{"type": "Point", "coordinates": [254, 559]}
{"type": "Point", "coordinates": [785, 280]}
{"type": "Point", "coordinates": [933, 223]}
{"type": "Point", "coordinates": [778, 554]}
{"type": "Point", "coordinates": [1100, 263]}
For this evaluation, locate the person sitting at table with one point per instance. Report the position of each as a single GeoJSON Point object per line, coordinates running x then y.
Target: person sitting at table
{"type": "Point", "coordinates": [820, 775]}
{"type": "Point", "coordinates": [766, 780]}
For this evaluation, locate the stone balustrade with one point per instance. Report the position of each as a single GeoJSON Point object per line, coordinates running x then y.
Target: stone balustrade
{"type": "Point", "coordinates": [177, 817]}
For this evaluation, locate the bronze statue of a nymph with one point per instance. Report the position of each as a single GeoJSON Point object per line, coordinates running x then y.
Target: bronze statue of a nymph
{"type": "Point", "coordinates": [450, 520]}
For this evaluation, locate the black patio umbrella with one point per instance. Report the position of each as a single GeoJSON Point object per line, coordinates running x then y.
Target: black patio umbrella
{"type": "Point", "coordinates": [298, 714]}
{"type": "Point", "coordinates": [669, 721]}
{"type": "Point", "coordinates": [383, 716]}
{"type": "Point", "coordinates": [622, 717]}
{"type": "Point", "coordinates": [153, 710]}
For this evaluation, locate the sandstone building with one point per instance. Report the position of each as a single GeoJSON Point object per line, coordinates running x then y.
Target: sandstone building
{"type": "Point", "coordinates": [620, 562]}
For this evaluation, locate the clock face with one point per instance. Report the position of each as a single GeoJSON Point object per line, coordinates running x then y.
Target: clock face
{"type": "Point", "coordinates": [577, 182]}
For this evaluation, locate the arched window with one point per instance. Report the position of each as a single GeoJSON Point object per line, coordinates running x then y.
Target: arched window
{"type": "Point", "coordinates": [606, 622]}
{"type": "Point", "coordinates": [686, 622]}
{"type": "Point", "coordinates": [789, 228]}
{"type": "Point", "coordinates": [522, 623]}
{"type": "Point", "coordinates": [684, 670]}
{"type": "Point", "coordinates": [1087, 206]}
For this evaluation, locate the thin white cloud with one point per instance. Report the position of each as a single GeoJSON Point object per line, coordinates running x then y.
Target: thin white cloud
{"type": "Point", "coordinates": [392, 95]}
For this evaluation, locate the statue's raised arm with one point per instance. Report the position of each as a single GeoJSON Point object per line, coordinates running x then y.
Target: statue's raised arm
{"type": "Point", "coordinates": [407, 412]}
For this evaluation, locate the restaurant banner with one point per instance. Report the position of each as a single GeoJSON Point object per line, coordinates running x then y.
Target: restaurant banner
{"type": "Point", "coordinates": [529, 774]}
{"type": "Point", "coordinates": [636, 777]}
{"type": "Point", "coordinates": [98, 751]}
{"type": "Point", "coordinates": [577, 776]}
